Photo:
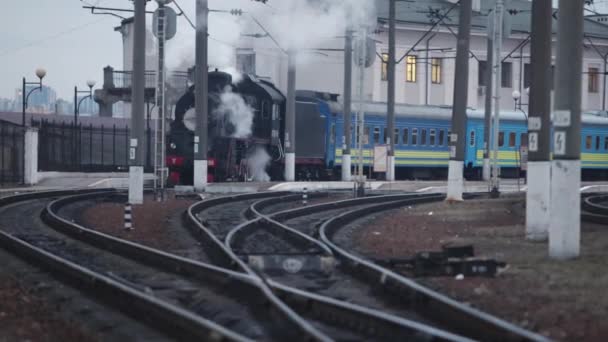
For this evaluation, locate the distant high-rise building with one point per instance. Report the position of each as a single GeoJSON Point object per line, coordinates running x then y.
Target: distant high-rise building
{"type": "Point", "coordinates": [40, 101]}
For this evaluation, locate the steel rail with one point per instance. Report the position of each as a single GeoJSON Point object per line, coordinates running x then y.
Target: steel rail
{"type": "Point", "coordinates": [463, 319]}
{"type": "Point", "coordinates": [349, 315]}
{"type": "Point", "coordinates": [593, 209]}
{"type": "Point", "coordinates": [176, 264]}
{"type": "Point", "coordinates": [359, 317]}
{"type": "Point", "coordinates": [169, 318]}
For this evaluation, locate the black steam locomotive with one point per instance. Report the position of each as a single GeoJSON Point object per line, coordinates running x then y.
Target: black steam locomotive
{"type": "Point", "coordinates": [251, 102]}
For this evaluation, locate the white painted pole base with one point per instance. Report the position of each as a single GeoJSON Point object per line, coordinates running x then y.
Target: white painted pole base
{"type": "Point", "coordinates": [390, 169]}
{"type": "Point", "coordinates": [565, 229]}
{"type": "Point", "coordinates": [31, 157]}
{"type": "Point", "coordinates": [538, 200]}
{"type": "Point", "coordinates": [200, 175]}
{"type": "Point", "coordinates": [487, 171]}
{"type": "Point", "coordinates": [455, 180]}
{"type": "Point", "coordinates": [290, 167]}
{"type": "Point", "coordinates": [136, 184]}
{"type": "Point", "coordinates": [346, 172]}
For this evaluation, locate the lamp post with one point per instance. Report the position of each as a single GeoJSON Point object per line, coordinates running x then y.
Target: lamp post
{"type": "Point", "coordinates": [518, 103]}
{"type": "Point", "coordinates": [40, 73]}
{"type": "Point", "coordinates": [77, 103]}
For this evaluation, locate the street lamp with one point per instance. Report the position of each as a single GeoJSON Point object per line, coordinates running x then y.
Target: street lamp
{"type": "Point", "coordinates": [517, 99]}
{"type": "Point", "coordinates": [77, 103]}
{"type": "Point", "coordinates": [40, 72]}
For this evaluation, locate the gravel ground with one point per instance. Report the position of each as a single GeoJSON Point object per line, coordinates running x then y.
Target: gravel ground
{"type": "Point", "coordinates": [157, 224]}
{"type": "Point", "coordinates": [562, 300]}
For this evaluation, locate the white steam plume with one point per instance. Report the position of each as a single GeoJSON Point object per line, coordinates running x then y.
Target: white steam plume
{"type": "Point", "coordinates": [238, 113]}
{"type": "Point", "coordinates": [257, 161]}
{"type": "Point", "coordinates": [297, 24]}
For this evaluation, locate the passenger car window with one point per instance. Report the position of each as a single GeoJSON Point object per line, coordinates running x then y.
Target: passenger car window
{"type": "Point", "coordinates": [501, 139]}
{"type": "Point", "coordinates": [441, 137]}
{"type": "Point", "coordinates": [512, 138]}
{"type": "Point", "coordinates": [423, 137]}
{"type": "Point", "coordinates": [432, 135]}
{"type": "Point", "coordinates": [472, 138]}
{"type": "Point", "coordinates": [588, 142]}
{"type": "Point", "coordinates": [406, 136]}
{"type": "Point", "coordinates": [376, 135]}
{"type": "Point", "coordinates": [414, 136]}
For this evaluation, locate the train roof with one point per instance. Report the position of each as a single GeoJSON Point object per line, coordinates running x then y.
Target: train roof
{"type": "Point", "coordinates": [433, 112]}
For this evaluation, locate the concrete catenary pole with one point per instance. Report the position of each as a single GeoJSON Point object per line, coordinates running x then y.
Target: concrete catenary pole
{"type": "Point", "coordinates": [564, 232]}
{"type": "Point", "coordinates": [290, 120]}
{"type": "Point", "coordinates": [390, 132]}
{"type": "Point", "coordinates": [497, 77]}
{"type": "Point", "coordinates": [348, 83]}
{"type": "Point", "coordinates": [539, 124]}
{"type": "Point", "coordinates": [459, 110]}
{"type": "Point", "coordinates": [488, 108]}
{"type": "Point", "coordinates": [136, 145]}
{"type": "Point", "coordinates": [201, 85]}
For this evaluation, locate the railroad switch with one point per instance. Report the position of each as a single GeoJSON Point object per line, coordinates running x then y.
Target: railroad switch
{"type": "Point", "coordinates": [451, 261]}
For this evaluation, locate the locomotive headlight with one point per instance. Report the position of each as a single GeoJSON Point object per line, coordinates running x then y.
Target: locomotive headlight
{"type": "Point", "coordinates": [173, 146]}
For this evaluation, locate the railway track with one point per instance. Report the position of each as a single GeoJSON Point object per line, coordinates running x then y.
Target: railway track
{"type": "Point", "coordinates": [183, 298]}
{"type": "Point", "coordinates": [595, 208]}
{"type": "Point", "coordinates": [289, 246]}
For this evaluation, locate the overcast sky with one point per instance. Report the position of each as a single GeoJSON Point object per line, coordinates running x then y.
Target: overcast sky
{"type": "Point", "coordinates": [72, 44]}
{"type": "Point", "coordinates": [68, 41]}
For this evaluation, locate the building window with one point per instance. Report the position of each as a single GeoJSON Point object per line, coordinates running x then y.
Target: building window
{"type": "Point", "coordinates": [507, 74]}
{"type": "Point", "coordinates": [384, 73]}
{"type": "Point", "coordinates": [414, 136]}
{"type": "Point", "coordinates": [501, 139]}
{"type": "Point", "coordinates": [423, 137]}
{"type": "Point", "coordinates": [376, 135]}
{"type": "Point", "coordinates": [512, 138]}
{"type": "Point", "coordinates": [594, 80]}
{"type": "Point", "coordinates": [441, 137]}
{"type": "Point", "coordinates": [436, 70]}
{"type": "Point", "coordinates": [245, 61]}
{"type": "Point", "coordinates": [410, 69]}
{"type": "Point", "coordinates": [481, 73]}
{"type": "Point", "coordinates": [527, 75]}
{"type": "Point", "coordinates": [432, 136]}
{"type": "Point", "coordinates": [406, 136]}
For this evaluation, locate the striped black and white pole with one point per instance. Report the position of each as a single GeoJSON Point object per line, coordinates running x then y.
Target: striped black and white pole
{"type": "Point", "coordinates": [304, 196]}
{"type": "Point", "coordinates": [128, 217]}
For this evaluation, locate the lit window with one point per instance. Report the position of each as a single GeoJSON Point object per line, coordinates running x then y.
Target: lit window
{"type": "Point", "coordinates": [512, 137]}
{"type": "Point", "coordinates": [384, 72]}
{"type": "Point", "coordinates": [594, 84]}
{"type": "Point", "coordinates": [410, 69]}
{"type": "Point", "coordinates": [406, 136]}
{"type": "Point", "coordinates": [414, 136]}
{"type": "Point", "coordinates": [436, 70]}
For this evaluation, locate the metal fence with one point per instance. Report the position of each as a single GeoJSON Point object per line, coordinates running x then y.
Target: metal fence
{"type": "Point", "coordinates": [63, 147]}
{"type": "Point", "coordinates": [11, 153]}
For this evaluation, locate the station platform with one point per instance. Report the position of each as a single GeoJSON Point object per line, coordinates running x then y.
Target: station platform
{"type": "Point", "coordinates": [61, 180]}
